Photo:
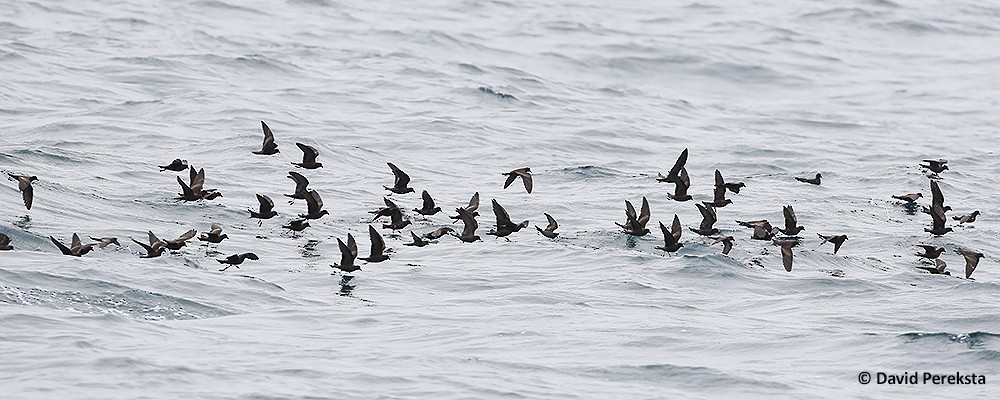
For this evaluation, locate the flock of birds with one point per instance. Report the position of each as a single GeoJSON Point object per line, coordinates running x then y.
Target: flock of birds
{"type": "Point", "coordinates": [635, 223]}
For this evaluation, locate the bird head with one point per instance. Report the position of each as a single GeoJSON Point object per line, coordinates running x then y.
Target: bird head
{"type": "Point", "coordinates": [324, 212]}
{"type": "Point", "coordinates": [274, 213]}
{"type": "Point", "coordinates": [224, 236]}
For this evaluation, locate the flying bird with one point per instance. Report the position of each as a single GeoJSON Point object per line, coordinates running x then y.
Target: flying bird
{"type": "Point", "coordinates": [155, 247]}
{"type": "Point", "coordinates": [471, 208]}
{"type": "Point", "coordinates": [428, 207]}
{"type": "Point", "coordinates": [731, 186]}
{"type": "Point", "coordinates": [636, 225]}
{"type": "Point", "coordinates": [719, 199]}
{"type": "Point", "coordinates": [681, 186]}
{"type": "Point", "coordinates": [417, 241]}
{"type": "Point", "coordinates": [301, 186]}
{"type": "Point", "coordinates": [348, 253]}
{"type": "Point", "coordinates": [791, 228]}
{"type": "Point", "coordinates": [971, 260]}
{"type": "Point", "coordinates": [936, 166]}
{"type": "Point", "coordinates": [438, 233]}
{"type": "Point", "coordinates": [24, 186]}
{"type": "Point", "coordinates": [671, 237]}
{"type": "Point", "coordinates": [675, 171]}
{"type": "Point", "coordinates": [177, 165]}
{"type": "Point", "coordinates": [909, 198]}
{"type": "Point", "coordinates": [401, 180]}
{"type": "Point", "coordinates": [523, 173]}
{"type": "Point", "coordinates": [937, 269]}
{"type": "Point", "coordinates": [727, 243]}
{"type": "Point", "coordinates": [396, 221]}
{"type": "Point", "coordinates": [75, 249]}
{"type": "Point", "coordinates": [181, 240]}
{"type": "Point", "coordinates": [268, 147]}
{"type": "Point", "coordinates": [236, 259]}
{"type": "Point", "coordinates": [786, 252]}
{"type": "Point", "coordinates": [939, 219]}
{"type": "Point", "coordinates": [837, 240]}
{"type": "Point", "coordinates": [309, 155]}
{"type": "Point", "coordinates": [504, 225]}
{"type": "Point", "coordinates": [315, 206]}
{"type": "Point", "coordinates": [762, 229]}
{"type": "Point", "coordinates": [930, 252]}
{"type": "Point", "coordinates": [105, 241]}
{"type": "Point", "coordinates": [266, 210]}
{"type": "Point", "coordinates": [214, 235]}
{"type": "Point", "coordinates": [813, 181]}
{"type": "Point", "coordinates": [708, 219]}
{"type": "Point", "coordinates": [550, 229]}
{"type": "Point", "coordinates": [967, 217]}
{"type": "Point", "coordinates": [297, 225]}
{"type": "Point", "coordinates": [388, 210]}
{"type": "Point", "coordinates": [195, 190]}
{"type": "Point", "coordinates": [469, 232]}
{"type": "Point", "coordinates": [378, 247]}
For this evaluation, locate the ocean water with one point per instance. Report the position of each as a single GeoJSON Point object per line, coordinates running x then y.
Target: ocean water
{"type": "Point", "coordinates": [596, 97]}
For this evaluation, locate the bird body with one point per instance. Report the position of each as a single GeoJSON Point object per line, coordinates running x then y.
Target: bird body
{"type": "Point", "coordinates": [400, 182]}
{"type": "Point", "coordinates": [177, 165]}
{"type": "Point", "coordinates": [523, 173]}
{"type": "Point", "coordinates": [816, 180]}
{"type": "Point", "coordinates": [75, 249]}
{"type": "Point", "coordinates": [791, 223]}
{"type": "Point", "coordinates": [214, 235]}
{"type": "Point", "coordinates": [268, 147]}
{"type": "Point", "coordinates": [837, 240]}
{"type": "Point", "coordinates": [671, 237]}
{"type": "Point", "coordinates": [309, 155]}
{"type": "Point", "coordinates": [378, 247]}
{"type": "Point", "coordinates": [550, 229]}
{"type": "Point", "coordinates": [636, 224]}
{"type": "Point", "coordinates": [236, 259]}
{"type": "Point", "coordinates": [428, 207]}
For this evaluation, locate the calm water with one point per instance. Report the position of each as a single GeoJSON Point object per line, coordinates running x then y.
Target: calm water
{"type": "Point", "coordinates": [595, 97]}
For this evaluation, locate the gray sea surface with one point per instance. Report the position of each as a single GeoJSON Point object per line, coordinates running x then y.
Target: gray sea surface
{"type": "Point", "coordinates": [596, 97]}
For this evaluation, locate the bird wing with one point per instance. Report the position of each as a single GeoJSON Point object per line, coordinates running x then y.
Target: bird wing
{"type": "Point", "coordinates": [718, 179]}
{"type": "Point", "coordinates": [786, 257]}
{"type": "Point", "coordinates": [378, 244]}
{"type": "Point", "coordinates": [675, 228]}
{"type": "Point", "coordinates": [268, 136]}
{"type": "Point", "coordinates": [473, 203]}
{"type": "Point", "coordinates": [314, 202]}
{"type": "Point", "coordinates": [346, 256]}
{"type": "Point", "coordinates": [727, 246]}
{"type": "Point", "coordinates": [416, 239]}
{"type": "Point", "coordinates": [187, 192]}
{"type": "Point", "coordinates": [309, 153]}
{"type": "Point", "coordinates": [630, 217]}
{"type": "Point", "coordinates": [402, 179]}
{"type": "Point", "coordinates": [971, 262]}
{"type": "Point", "coordinates": [937, 198]}
{"type": "Point", "coordinates": [153, 240]}
{"type": "Point", "coordinates": [708, 217]}
{"type": "Point", "coordinates": [553, 225]}
{"type": "Point", "coordinates": [149, 249]}
{"type": "Point", "coordinates": [719, 195]}
{"type": "Point", "coordinates": [65, 250]}
{"type": "Point", "coordinates": [300, 181]}
{"type": "Point", "coordinates": [352, 245]}
{"type": "Point", "coordinates": [668, 238]}
{"type": "Point", "coordinates": [790, 221]}
{"type": "Point", "coordinates": [396, 216]}
{"type": "Point", "coordinates": [76, 244]}
{"type": "Point", "coordinates": [679, 164]}
{"type": "Point", "coordinates": [510, 179]}
{"type": "Point", "coordinates": [188, 235]}
{"type": "Point", "coordinates": [266, 204]}
{"type": "Point", "coordinates": [643, 213]}
{"type": "Point", "coordinates": [941, 265]}
{"type": "Point", "coordinates": [937, 214]}
{"type": "Point", "coordinates": [4, 240]}
{"type": "Point", "coordinates": [526, 178]}
{"type": "Point", "coordinates": [389, 203]}
{"type": "Point", "coordinates": [685, 178]}
{"type": "Point", "coordinates": [216, 229]}
{"type": "Point", "coordinates": [199, 181]}
{"type": "Point", "coordinates": [27, 193]}
{"type": "Point", "coordinates": [428, 201]}
{"type": "Point", "coordinates": [503, 218]}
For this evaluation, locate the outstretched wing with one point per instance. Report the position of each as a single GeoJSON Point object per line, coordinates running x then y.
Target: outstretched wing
{"type": "Point", "coordinates": [473, 203]}
{"type": "Point", "coordinates": [428, 201]}
{"type": "Point", "coordinates": [937, 198]}
{"type": "Point", "coordinates": [187, 235]}
{"type": "Point", "coordinates": [402, 179]}
{"type": "Point", "coordinates": [503, 219]}
{"type": "Point", "coordinates": [553, 225]}
{"type": "Point", "coordinates": [266, 204]}
{"type": "Point", "coordinates": [378, 244]}
{"type": "Point", "coordinates": [65, 250]}
{"type": "Point", "coordinates": [643, 213]}
{"type": "Point", "coordinates": [352, 245]}
{"type": "Point", "coordinates": [309, 153]}
{"type": "Point", "coordinates": [790, 221]}
{"type": "Point", "coordinates": [300, 181]}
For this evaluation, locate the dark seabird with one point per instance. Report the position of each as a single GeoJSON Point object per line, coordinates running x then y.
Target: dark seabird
{"type": "Point", "coordinates": [417, 241]}
{"type": "Point", "coordinates": [837, 240]}
{"type": "Point", "coordinates": [176, 165]}
{"type": "Point", "coordinates": [786, 252]}
{"type": "Point", "coordinates": [550, 229]}
{"type": "Point", "coordinates": [719, 198]}
{"type": "Point", "coordinates": [469, 233]}
{"type": "Point", "coordinates": [396, 221]}
{"type": "Point", "coordinates": [269, 147]}
{"type": "Point", "coordinates": [727, 243]}
{"type": "Point", "coordinates": [762, 229]}
{"type": "Point", "coordinates": [930, 252]}
{"type": "Point", "coordinates": [635, 225]}
{"type": "Point", "coordinates": [937, 269]}
{"type": "Point", "coordinates": [315, 206]}
{"type": "Point", "coordinates": [909, 198]}
{"type": "Point", "coordinates": [399, 186]}
{"type": "Point", "coordinates": [937, 198]}
{"type": "Point", "coordinates": [297, 225]}
{"type": "Point", "coordinates": [708, 219]}
{"type": "Point", "coordinates": [309, 155]}
{"type": "Point", "coordinates": [76, 248]}
{"type": "Point", "coordinates": [301, 186]}
{"type": "Point", "coordinates": [348, 253]}
{"type": "Point", "coordinates": [504, 225]}
{"type": "Point", "coordinates": [155, 247]}
{"type": "Point", "coordinates": [105, 241]}
{"type": "Point", "coordinates": [266, 208]}
{"type": "Point", "coordinates": [438, 233]}
{"type": "Point", "coordinates": [236, 259]}
{"type": "Point", "coordinates": [791, 228]}
{"type": "Point", "coordinates": [967, 217]}
{"type": "Point", "coordinates": [681, 186]}
{"type": "Point", "coordinates": [390, 207]}
{"type": "Point", "coordinates": [814, 181]}
{"type": "Point", "coordinates": [215, 235]}
{"type": "Point", "coordinates": [938, 229]}
{"type": "Point", "coordinates": [523, 173]}
{"type": "Point", "coordinates": [5, 242]}
{"type": "Point", "coordinates": [731, 186]}
{"type": "Point", "coordinates": [971, 261]}
{"type": "Point", "coordinates": [471, 208]}
{"type": "Point", "coordinates": [24, 185]}
{"type": "Point", "coordinates": [937, 166]}
{"type": "Point", "coordinates": [428, 207]}
{"type": "Point", "coordinates": [181, 240]}
{"type": "Point", "coordinates": [378, 247]}
{"type": "Point", "coordinates": [195, 190]}
{"type": "Point", "coordinates": [675, 171]}
{"type": "Point", "coordinates": [672, 237]}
